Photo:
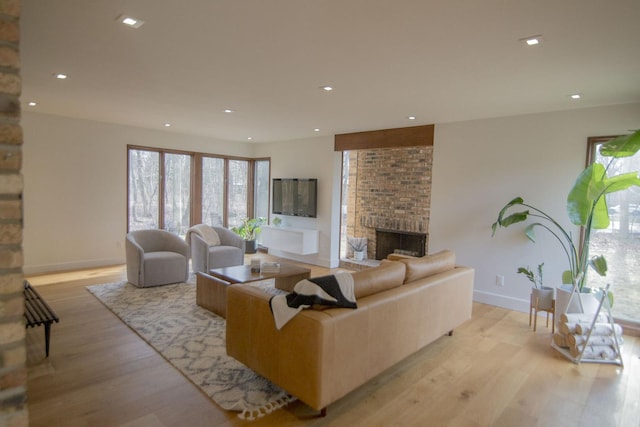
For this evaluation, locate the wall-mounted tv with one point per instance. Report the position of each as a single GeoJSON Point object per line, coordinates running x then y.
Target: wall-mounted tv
{"type": "Point", "coordinates": [295, 196]}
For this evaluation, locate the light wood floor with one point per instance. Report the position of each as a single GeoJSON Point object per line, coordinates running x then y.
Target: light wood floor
{"type": "Point", "coordinates": [494, 371]}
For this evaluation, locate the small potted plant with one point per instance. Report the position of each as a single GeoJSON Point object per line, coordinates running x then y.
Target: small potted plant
{"type": "Point", "coordinates": [277, 221]}
{"type": "Point", "coordinates": [541, 296]}
{"type": "Point", "coordinates": [359, 246]}
{"type": "Point", "coordinates": [249, 230]}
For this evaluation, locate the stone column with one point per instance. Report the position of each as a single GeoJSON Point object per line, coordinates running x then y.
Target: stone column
{"type": "Point", "coordinates": [13, 373]}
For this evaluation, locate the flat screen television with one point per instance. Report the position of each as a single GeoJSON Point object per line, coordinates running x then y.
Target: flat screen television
{"type": "Point", "coordinates": [295, 196]}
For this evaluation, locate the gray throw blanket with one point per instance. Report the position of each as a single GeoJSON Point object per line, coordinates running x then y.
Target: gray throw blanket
{"type": "Point", "coordinates": [332, 291]}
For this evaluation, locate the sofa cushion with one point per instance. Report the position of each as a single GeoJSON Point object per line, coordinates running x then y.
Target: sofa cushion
{"type": "Point", "coordinates": [419, 268]}
{"type": "Point", "coordinates": [389, 274]}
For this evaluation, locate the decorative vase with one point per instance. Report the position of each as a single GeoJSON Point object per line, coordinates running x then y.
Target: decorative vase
{"type": "Point", "coordinates": [358, 255]}
{"type": "Point", "coordinates": [543, 296]}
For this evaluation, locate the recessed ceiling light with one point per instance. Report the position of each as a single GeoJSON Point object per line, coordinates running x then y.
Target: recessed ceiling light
{"type": "Point", "coordinates": [532, 40]}
{"type": "Point", "coordinates": [60, 76]}
{"type": "Point", "coordinates": [249, 138]}
{"type": "Point", "coordinates": [575, 96]}
{"type": "Point", "coordinates": [130, 21]}
{"type": "Point", "coordinates": [32, 104]}
{"type": "Point", "coordinates": [316, 130]}
{"type": "Point", "coordinates": [327, 88]}
{"type": "Point", "coordinates": [167, 125]}
{"type": "Point", "coordinates": [227, 110]}
{"type": "Point", "coordinates": [411, 117]}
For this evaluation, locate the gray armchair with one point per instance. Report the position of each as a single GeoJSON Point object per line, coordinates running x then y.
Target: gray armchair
{"type": "Point", "coordinates": [224, 248]}
{"type": "Point", "coordinates": [156, 257]}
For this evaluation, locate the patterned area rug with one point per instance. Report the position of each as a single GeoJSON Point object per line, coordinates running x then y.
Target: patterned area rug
{"type": "Point", "coordinates": [193, 340]}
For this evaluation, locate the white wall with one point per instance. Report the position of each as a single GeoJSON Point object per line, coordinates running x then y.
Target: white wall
{"type": "Point", "coordinates": [311, 158]}
{"type": "Point", "coordinates": [75, 187]}
{"type": "Point", "coordinates": [480, 165]}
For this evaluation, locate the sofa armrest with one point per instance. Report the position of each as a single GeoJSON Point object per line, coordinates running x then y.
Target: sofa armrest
{"type": "Point", "coordinates": [297, 358]}
{"type": "Point", "coordinates": [135, 260]}
{"type": "Point", "coordinates": [199, 254]}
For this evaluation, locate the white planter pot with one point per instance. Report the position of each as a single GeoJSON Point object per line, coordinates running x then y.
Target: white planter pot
{"type": "Point", "coordinates": [358, 255]}
{"type": "Point", "coordinates": [588, 300]}
{"type": "Point", "coordinates": [543, 296]}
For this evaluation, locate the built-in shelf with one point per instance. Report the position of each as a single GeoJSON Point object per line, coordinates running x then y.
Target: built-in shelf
{"type": "Point", "coordinates": [294, 240]}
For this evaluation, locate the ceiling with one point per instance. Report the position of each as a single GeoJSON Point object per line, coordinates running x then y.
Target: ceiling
{"type": "Point", "coordinates": [438, 60]}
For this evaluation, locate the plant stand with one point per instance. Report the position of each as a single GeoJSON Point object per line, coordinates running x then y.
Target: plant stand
{"type": "Point", "coordinates": [591, 338]}
{"type": "Point", "coordinates": [540, 303]}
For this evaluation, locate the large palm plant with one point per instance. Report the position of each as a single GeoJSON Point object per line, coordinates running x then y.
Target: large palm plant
{"type": "Point", "coordinates": [586, 207]}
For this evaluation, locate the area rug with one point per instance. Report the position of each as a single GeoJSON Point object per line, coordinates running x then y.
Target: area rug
{"type": "Point", "coordinates": [193, 340]}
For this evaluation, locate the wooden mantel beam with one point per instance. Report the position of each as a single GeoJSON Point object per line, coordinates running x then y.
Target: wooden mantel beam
{"type": "Point", "coordinates": [385, 138]}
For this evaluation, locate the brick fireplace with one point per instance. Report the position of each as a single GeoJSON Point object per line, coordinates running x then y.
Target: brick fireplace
{"type": "Point", "coordinates": [389, 189]}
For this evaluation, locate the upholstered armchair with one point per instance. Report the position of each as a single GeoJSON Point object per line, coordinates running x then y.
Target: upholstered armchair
{"type": "Point", "coordinates": [214, 247]}
{"type": "Point", "coordinates": [156, 257]}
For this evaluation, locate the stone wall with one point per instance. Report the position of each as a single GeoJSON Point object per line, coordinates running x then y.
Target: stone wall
{"type": "Point", "coordinates": [13, 374]}
{"type": "Point", "coordinates": [389, 188]}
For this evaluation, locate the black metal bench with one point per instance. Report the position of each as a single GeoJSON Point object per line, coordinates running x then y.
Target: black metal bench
{"type": "Point", "coordinates": [37, 312]}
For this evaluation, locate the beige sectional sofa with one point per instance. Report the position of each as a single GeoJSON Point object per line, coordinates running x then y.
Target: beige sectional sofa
{"type": "Point", "coordinates": [323, 354]}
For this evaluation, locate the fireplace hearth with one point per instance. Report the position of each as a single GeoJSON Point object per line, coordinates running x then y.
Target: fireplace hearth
{"type": "Point", "coordinates": [403, 242]}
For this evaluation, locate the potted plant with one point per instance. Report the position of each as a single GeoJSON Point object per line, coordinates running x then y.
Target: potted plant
{"type": "Point", "coordinates": [277, 221]}
{"type": "Point", "coordinates": [586, 207]}
{"type": "Point", "coordinates": [249, 230]}
{"type": "Point", "coordinates": [359, 246]}
{"type": "Point", "coordinates": [541, 296]}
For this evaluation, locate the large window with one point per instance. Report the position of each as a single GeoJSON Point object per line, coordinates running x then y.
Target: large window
{"type": "Point", "coordinates": [177, 193]}
{"type": "Point", "coordinates": [238, 191]}
{"type": "Point", "coordinates": [173, 190]}
{"type": "Point", "coordinates": [261, 188]}
{"type": "Point", "coordinates": [213, 191]}
{"type": "Point", "coordinates": [620, 243]}
{"type": "Point", "coordinates": [144, 185]}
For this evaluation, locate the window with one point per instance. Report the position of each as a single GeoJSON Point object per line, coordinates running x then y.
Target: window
{"type": "Point", "coordinates": [620, 243]}
{"type": "Point", "coordinates": [173, 190]}
{"type": "Point", "coordinates": [261, 188]}
{"type": "Point", "coordinates": [238, 192]}
{"type": "Point", "coordinates": [213, 191]}
{"type": "Point", "coordinates": [144, 179]}
{"type": "Point", "coordinates": [177, 193]}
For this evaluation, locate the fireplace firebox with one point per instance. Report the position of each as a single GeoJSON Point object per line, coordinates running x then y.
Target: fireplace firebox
{"type": "Point", "coordinates": [403, 242]}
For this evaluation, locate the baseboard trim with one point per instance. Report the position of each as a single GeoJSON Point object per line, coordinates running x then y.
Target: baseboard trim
{"type": "Point", "coordinates": [511, 303]}
{"type": "Point", "coordinates": [30, 270]}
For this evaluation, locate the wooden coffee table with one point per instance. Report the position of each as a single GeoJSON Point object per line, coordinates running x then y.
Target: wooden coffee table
{"type": "Point", "coordinates": [211, 289]}
{"type": "Point", "coordinates": [285, 279]}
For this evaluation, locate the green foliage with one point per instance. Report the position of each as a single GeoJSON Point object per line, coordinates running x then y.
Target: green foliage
{"type": "Point", "coordinates": [586, 207]}
{"type": "Point", "coordinates": [535, 278]}
{"type": "Point", "coordinates": [250, 228]}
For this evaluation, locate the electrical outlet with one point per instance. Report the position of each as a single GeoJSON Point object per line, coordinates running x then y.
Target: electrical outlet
{"type": "Point", "coordinates": [499, 280]}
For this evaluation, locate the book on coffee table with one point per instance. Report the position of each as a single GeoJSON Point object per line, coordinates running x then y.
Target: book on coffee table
{"type": "Point", "coordinates": [270, 267]}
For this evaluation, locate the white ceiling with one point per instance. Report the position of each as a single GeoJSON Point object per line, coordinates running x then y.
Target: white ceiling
{"type": "Point", "coordinates": [440, 60]}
